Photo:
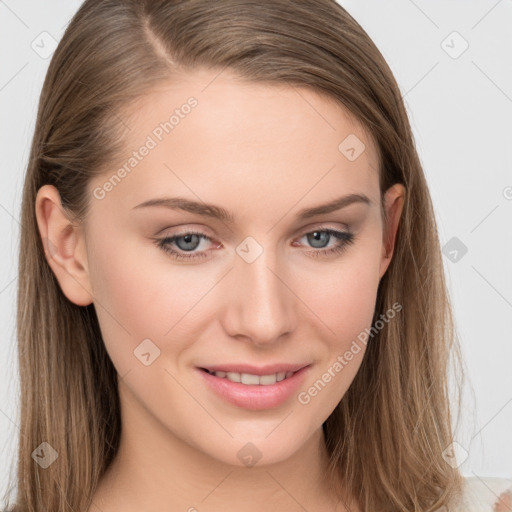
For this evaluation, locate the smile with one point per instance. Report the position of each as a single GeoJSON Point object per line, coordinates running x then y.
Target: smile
{"type": "Point", "coordinates": [254, 391]}
{"type": "Point", "coordinates": [251, 379]}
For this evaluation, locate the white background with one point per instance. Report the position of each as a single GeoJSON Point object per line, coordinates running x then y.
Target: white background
{"type": "Point", "coordinates": [461, 113]}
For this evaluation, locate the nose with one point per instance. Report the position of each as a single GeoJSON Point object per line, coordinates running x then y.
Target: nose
{"type": "Point", "coordinates": [260, 306]}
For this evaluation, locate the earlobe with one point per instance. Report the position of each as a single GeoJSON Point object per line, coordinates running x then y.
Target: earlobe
{"type": "Point", "coordinates": [394, 202]}
{"type": "Point", "coordinates": [63, 245]}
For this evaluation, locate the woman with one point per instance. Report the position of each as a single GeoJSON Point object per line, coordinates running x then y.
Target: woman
{"type": "Point", "coordinates": [231, 291]}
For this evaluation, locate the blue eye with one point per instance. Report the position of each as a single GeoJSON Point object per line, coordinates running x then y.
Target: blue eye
{"type": "Point", "coordinates": [344, 239]}
{"type": "Point", "coordinates": [189, 241]}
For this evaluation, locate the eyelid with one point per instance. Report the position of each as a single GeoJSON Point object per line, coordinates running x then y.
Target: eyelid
{"type": "Point", "coordinates": [185, 230]}
{"type": "Point", "coordinates": [318, 226]}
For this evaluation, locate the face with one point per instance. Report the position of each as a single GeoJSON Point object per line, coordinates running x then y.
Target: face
{"type": "Point", "coordinates": [241, 275]}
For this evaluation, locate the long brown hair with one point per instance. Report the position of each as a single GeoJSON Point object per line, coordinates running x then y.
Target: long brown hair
{"type": "Point", "coordinates": [387, 435]}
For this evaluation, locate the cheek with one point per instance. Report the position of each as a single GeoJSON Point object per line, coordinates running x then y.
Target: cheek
{"type": "Point", "coordinates": [140, 295]}
{"type": "Point", "coordinates": [345, 303]}
{"type": "Point", "coordinates": [344, 294]}
{"type": "Point", "coordinates": [347, 299]}
{"type": "Point", "coordinates": [346, 306]}
{"type": "Point", "coordinates": [128, 306]}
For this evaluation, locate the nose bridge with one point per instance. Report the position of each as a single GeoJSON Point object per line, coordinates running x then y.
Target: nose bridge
{"type": "Point", "coordinates": [261, 305]}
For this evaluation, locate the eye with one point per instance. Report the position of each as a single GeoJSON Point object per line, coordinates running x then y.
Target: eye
{"type": "Point", "coordinates": [320, 236]}
{"type": "Point", "coordinates": [188, 242]}
{"type": "Point", "coordinates": [185, 242]}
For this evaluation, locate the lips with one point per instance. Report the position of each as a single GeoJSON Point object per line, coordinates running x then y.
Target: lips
{"type": "Point", "coordinates": [255, 370]}
{"type": "Point", "coordinates": [251, 395]}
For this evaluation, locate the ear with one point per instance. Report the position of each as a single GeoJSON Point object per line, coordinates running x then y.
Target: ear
{"type": "Point", "coordinates": [393, 205]}
{"type": "Point", "coordinates": [64, 246]}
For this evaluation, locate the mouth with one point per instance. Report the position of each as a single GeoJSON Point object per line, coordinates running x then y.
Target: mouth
{"type": "Point", "coordinates": [255, 388]}
{"type": "Point", "coordinates": [251, 379]}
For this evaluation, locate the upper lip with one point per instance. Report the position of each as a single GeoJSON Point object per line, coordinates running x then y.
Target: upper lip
{"type": "Point", "coordinates": [256, 370]}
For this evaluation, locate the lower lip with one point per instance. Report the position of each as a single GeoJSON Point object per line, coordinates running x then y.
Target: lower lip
{"type": "Point", "coordinates": [255, 397]}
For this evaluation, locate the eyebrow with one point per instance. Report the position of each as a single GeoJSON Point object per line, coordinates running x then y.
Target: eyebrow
{"type": "Point", "coordinates": [217, 212]}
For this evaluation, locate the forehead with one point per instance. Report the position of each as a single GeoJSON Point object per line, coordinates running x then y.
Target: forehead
{"type": "Point", "coordinates": [209, 135]}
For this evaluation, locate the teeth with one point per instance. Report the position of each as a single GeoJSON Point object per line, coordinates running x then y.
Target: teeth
{"type": "Point", "coordinates": [253, 380]}
{"type": "Point", "coordinates": [266, 380]}
{"type": "Point", "coordinates": [247, 378]}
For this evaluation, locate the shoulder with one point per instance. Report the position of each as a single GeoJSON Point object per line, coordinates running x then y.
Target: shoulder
{"type": "Point", "coordinates": [481, 493]}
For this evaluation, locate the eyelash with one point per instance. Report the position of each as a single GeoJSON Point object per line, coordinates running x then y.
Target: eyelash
{"type": "Point", "coordinates": [345, 238]}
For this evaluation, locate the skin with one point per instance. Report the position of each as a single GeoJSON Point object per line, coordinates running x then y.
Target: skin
{"type": "Point", "coordinates": [504, 503]}
{"type": "Point", "coordinates": [263, 152]}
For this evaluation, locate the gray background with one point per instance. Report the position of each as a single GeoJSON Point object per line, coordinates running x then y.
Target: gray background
{"type": "Point", "coordinates": [460, 107]}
